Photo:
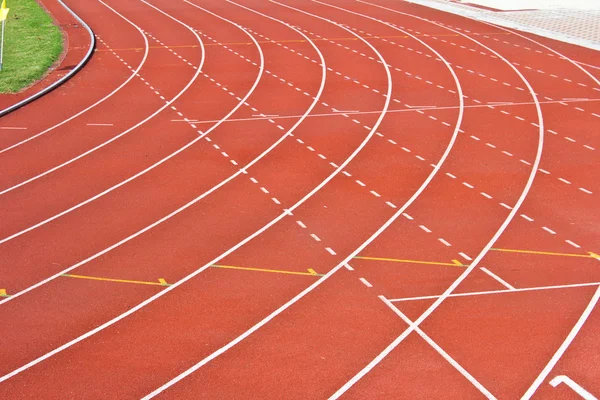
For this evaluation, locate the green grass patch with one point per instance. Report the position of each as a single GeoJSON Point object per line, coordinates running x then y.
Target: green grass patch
{"type": "Point", "coordinates": [32, 43]}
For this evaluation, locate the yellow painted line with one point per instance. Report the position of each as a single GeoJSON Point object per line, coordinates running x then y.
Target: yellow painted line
{"type": "Point", "coordinates": [311, 272]}
{"type": "Point", "coordinates": [3, 293]}
{"type": "Point", "coordinates": [594, 255]}
{"type": "Point", "coordinates": [454, 263]}
{"type": "Point", "coordinates": [161, 282]}
{"type": "Point", "coordinates": [547, 253]}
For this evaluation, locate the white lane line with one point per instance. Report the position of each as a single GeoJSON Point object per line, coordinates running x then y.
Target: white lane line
{"type": "Point", "coordinates": [366, 282]}
{"type": "Point", "coordinates": [12, 127]}
{"type": "Point", "coordinates": [466, 257]}
{"type": "Point", "coordinates": [437, 348]}
{"type": "Point", "coordinates": [133, 74]}
{"type": "Point", "coordinates": [425, 228]}
{"type": "Point", "coordinates": [331, 272]}
{"type": "Point", "coordinates": [348, 267]}
{"type": "Point", "coordinates": [301, 224]}
{"type": "Point", "coordinates": [563, 347]}
{"type": "Point", "coordinates": [223, 255]}
{"type": "Point", "coordinates": [585, 395]}
{"type": "Point", "coordinates": [490, 292]}
{"type": "Point", "coordinates": [498, 279]}
{"type": "Point", "coordinates": [330, 251]}
{"type": "Point", "coordinates": [315, 237]}
{"type": "Point", "coordinates": [491, 242]}
{"type": "Point", "coordinates": [167, 104]}
{"type": "Point", "coordinates": [369, 240]}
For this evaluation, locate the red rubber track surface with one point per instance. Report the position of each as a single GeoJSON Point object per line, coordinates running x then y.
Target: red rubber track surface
{"type": "Point", "coordinates": [130, 267]}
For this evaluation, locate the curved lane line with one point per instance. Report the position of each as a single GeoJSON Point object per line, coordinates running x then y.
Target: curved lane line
{"type": "Point", "coordinates": [563, 347]}
{"type": "Point", "coordinates": [133, 74]}
{"type": "Point", "coordinates": [241, 102]}
{"type": "Point", "coordinates": [299, 296]}
{"type": "Point", "coordinates": [167, 104]}
{"type": "Point", "coordinates": [175, 153]}
{"type": "Point", "coordinates": [447, 357]}
{"type": "Point", "coordinates": [206, 266]}
{"type": "Point", "coordinates": [487, 247]}
{"type": "Point", "coordinates": [594, 300]}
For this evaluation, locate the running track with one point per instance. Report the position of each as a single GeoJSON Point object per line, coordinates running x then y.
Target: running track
{"type": "Point", "coordinates": [303, 199]}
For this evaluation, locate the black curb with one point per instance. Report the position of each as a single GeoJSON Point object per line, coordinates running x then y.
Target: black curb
{"type": "Point", "coordinates": [65, 78]}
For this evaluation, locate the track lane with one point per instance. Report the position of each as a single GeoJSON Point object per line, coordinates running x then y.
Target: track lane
{"type": "Point", "coordinates": [284, 135]}
{"type": "Point", "coordinates": [323, 183]}
{"type": "Point", "coordinates": [549, 336]}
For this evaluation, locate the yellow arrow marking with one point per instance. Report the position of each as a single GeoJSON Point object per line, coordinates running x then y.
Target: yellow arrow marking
{"type": "Point", "coordinates": [547, 253]}
{"type": "Point", "coordinates": [161, 282]}
{"type": "Point", "coordinates": [454, 263]}
{"type": "Point", "coordinates": [3, 293]}
{"type": "Point", "coordinates": [311, 272]}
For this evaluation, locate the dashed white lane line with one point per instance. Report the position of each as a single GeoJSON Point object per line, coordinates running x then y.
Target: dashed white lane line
{"type": "Point", "coordinates": [366, 282]}
{"type": "Point", "coordinates": [330, 251]}
{"type": "Point", "coordinates": [444, 242]}
{"type": "Point", "coordinates": [426, 229]}
{"type": "Point", "coordinates": [12, 127]}
{"type": "Point", "coordinates": [301, 224]}
{"type": "Point", "coordinates": [527, 218]}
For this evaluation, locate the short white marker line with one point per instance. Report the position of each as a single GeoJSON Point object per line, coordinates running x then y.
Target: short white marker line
{"type": "Point", "coordinates": [366, 282]}
{"type": "Point", "coordinates": [573, 385]}
{"type": "Point", "coordinates": [573, 244]}
{"type": "Point", "coordinates": [563, 347]}
{"type": "Point", "coordinates": [301, 224]}
{"type": "Point", "coordinates": [527, 218]}
{"type": "Point", "coordinates": [12, 127]}
{"type": "Point", "coordinates": [330, 251]}
{"type": "Point", "coordinates": [348, 267]}
{"type": "Point", "coordinates": [549, 230]}
{"type": "Point", "coordinates": [425, 228]}
{"type": "Point", "coordinates": [497, 278]}
{"type": "Point", "coordinates": [466, 257]}
{"type": "Point", "coordinates": [437, 348]}
{"type": "Point", "coordinates": [444, 242]}
{"type": "Point", "coordinates": [315, 237]}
